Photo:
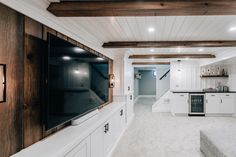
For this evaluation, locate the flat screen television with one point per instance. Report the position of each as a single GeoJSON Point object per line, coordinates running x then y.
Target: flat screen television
{"type": "Point", "coordinates": [76, 82]}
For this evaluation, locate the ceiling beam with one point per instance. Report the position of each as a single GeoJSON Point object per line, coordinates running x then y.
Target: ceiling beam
{"type": "Point", "coordinates": [151, 63]}
{"type": "Point", "coordinates": [167, 56]}
{"type": "Point", "coordinates": [143, 8]}
{"type": "Point", "coordinates": [169, 44]}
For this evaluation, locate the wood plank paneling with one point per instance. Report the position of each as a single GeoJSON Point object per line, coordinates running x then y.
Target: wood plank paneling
{"type": "Point", "coordinates": [159, 56]}
{"type": "Point", "coordinates": [168, 44]}
{"type": "Point", "coordinates": [33, 130]}
{"type": "Point", "coordinates": [21, 49]}
{"type": "Point", "coordinates": [144, 8]}
{"type": "Point", "coordinates": [11, 54]}
{"type": "Point", "coordinates": [151, 63]}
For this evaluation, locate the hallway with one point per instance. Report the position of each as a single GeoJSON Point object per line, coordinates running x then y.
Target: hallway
{"type": "Point", "coordinates": [163, 135]}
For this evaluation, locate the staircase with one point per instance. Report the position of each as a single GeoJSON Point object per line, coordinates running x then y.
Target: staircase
{"type": "Point", "coordinates": [163, 104]}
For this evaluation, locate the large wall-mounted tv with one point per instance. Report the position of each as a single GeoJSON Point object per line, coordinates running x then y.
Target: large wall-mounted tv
{"type": "Point", "coordinates": [76, 82]}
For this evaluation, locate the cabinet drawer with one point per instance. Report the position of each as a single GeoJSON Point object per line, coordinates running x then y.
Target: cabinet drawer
{"type": "Point", "coordinates": [181, 95]}
{"type": "Point", "coordinates": [213, 95]}
{"type": "Point", "coordinates": [227, 95]}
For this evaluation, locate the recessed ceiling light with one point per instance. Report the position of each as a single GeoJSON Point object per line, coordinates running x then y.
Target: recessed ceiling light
{"type": "Point", "coordinates": [152, 58]}
{"type": "Point", "coordinates": [201, 49]}
{"type": "Point", "coordinates": [232, 29]}
{"type": "Point", "coordinates": [151, 29]}
{"type": "Point", "coordinates": [100, 59]}
{"type": "Point", "coordinates": [151, 50]}
{"type": "Point", "coordinates": [66, 58]}
{"type": "Point", "coordinates": [77, 49]}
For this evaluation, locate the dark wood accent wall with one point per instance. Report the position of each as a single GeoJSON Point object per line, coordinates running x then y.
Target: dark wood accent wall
{"type": "Point", "coordinates": [33, 49]}
{"type": "Point", "coordinates": [11, 54]}
{"type": "Point", "coordinates": [21, 49]}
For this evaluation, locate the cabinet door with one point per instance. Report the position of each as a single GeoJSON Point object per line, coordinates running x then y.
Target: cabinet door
{"type": "Point", "coordinates": [212, 103]}
{"type": "Point", "coordinates": [97, 142]}
{"type": "Point", "coordinates": [227, 103]}
{"type": "Point", "coordinates": [108, 137]}
{"type": "Point", "coordinates": [118, 123]}
{"type": "Point", "coordinates": [81, 150]}
{"type": "Point", "coordinates": [129, 107]}
{"type": "Point", "coordinates": [181, 103]}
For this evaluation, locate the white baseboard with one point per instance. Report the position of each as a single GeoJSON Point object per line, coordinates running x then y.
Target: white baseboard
{"type": "Point", "coordinates": [136, 99]}
{"type": "Point", "coordinates": [218, 115]}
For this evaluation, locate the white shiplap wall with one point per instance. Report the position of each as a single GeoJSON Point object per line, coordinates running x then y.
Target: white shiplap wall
{"type": "Point", "coordinates": [185, 75]}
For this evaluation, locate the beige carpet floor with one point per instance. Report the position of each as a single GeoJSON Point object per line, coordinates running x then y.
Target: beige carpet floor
{"type": "Point", "coordinates": [163, 135]}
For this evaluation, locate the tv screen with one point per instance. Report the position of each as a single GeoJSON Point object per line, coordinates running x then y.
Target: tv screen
{"type": "Point", "coordinates": [77, 82]}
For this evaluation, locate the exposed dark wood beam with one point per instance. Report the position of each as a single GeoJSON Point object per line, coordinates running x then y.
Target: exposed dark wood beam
{"type": "Point", "coordinates": [151, 63]}
{"type": "Point", "coordinates": [169, 44]}
{"type": "Point", "coordinates": [144, 8]}
{"type": "Point", "coordinates": [166, 56]}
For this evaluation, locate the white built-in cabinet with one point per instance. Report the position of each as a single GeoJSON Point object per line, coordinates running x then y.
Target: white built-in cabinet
{"type": "Point", "coordinates": [105, 136]}
{"type": "Point", "coordinates": [220, 103]}
{"type": "Point", "coordinates": [95, 137]}
{"type": "Point", "coordinates": [216, 103]}
{"type": "Point", "coordinates": [180, 103]}
{"type": "Point", "coordinates": [81, 150]}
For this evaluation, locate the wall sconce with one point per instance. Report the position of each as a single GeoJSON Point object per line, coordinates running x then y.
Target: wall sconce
{"type": "Point", "coordinates": [2, 83]}
{"type": "Point", "coordinates": [111, 81]}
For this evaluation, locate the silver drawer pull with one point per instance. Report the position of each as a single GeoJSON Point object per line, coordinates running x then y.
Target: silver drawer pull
{"type": "Point", "coordinates": [227, 95]}
{"type": "Point", "coordinates": [181, 95]}
{"type": "Point", "coordinates": [212, 95]}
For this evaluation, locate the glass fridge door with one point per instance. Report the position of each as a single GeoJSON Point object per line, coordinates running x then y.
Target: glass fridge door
{"type": "Point", "coordinates": [197, 103]}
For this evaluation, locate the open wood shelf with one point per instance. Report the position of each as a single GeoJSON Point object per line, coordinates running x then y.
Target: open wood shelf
{"type": "Point", "coordinates": [206, 76]}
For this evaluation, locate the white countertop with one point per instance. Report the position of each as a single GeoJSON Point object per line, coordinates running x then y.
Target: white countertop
{"type": "Point", "coordinates": [58, 144]}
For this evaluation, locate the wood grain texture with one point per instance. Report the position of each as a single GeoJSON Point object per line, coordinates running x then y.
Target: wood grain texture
{"type": "Point", "coordinates": [151, 63]}
{"type": "Point", "coordinates": [11, 54]}
{"type": "Point", "coordinates": [168, 44]}
{"type": "Point", "coordinates": [164, 56]}
{"type": "Point", "coordinates": [21, 50]}
{"type": "Point", "coordinates": [143, 8]}
{"type": "Point", "coordinates": [33, 130]}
